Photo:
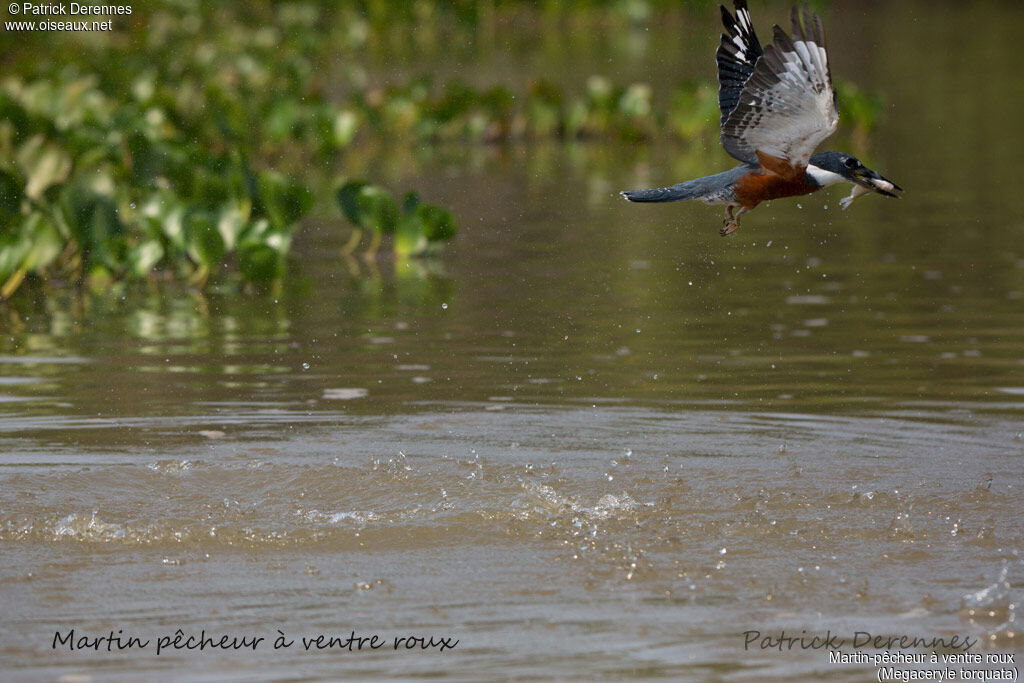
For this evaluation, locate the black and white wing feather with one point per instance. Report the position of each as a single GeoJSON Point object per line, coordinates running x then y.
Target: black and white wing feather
{"type": "Point", "coordinates": [736, 56]}
{"type": "Point", "coordinates": [788, 105]}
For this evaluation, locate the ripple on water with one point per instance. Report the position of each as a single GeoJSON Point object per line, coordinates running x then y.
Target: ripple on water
{"type": "Point", "coordinates": [993, 610]}
{"type": "Point", "coordinates": [44, 360]}
{"type": "Point", "coordinates": [689, 518]}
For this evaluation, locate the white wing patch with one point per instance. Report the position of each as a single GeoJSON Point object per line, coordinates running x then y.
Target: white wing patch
{"type": "Point", "coordinates": [787, 107]}
{"type": "Point", "coordinates": [736, 56]}
{"type": "Point", "coordinates": [743, 16]}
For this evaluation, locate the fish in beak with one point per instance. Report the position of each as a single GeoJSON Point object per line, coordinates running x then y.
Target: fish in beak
{"type": "Point", "coordinates": [867, 178]}
{"type": "Point", "coordinates": [867, 181]}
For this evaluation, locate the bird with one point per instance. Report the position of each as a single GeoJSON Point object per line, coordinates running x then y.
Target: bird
{"type": "Point", "coordinates": [778, 104]}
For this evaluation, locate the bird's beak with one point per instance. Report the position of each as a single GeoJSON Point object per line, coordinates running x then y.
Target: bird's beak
{"type": "Point", "coordinates": [873, 181]}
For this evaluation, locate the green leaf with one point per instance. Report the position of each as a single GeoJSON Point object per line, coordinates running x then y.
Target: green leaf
{"type": "Point", "coordinates": [44, 164]}
{"type": "Point", "coordinates": [45, 242]}
{"type": "Point", "coordinates": [438, 222]}
{"type": "Point", "coordinates": [368, 206]}
{"type": "Point", "coordinates": [232, 222]}
{"type": "Point", "coordinates": [861, 108]}
{"type": "Point", "coordinates": [282, 118]}
{"type": "Point", "coordinates": [576, 119]}
{"type": "Point", "coordinates": [163, 216]}
{"type": "Point", "coordinates": [693, 110]}
{"type": "Point", "coordinates": [636, 101]}
{"type": "Point", "coordinates": [600, 92]}
{"type": "Point", "coordinates": [209, 187]}
{"type": "Point", "coordinates": [143, 256]}
{"type": "Point", "coordinates": [76, 205]}
{"type": "Point", "coordinates": [203, 241]}
{"type": "Point", "coordinates": [423, 226]}
{"type": "Point", "coordinates": [93, 221]}
{"type": "Point", "coordinates": [283, 201]}
{"type": "Point", "coordinates": [105, 223]}
{"type": "Point", "coordinates": [346, 125]}
{"type": "Point", "coordinates": [12, 252]}
{"type": "Point", "coordinates": [107, 235]}
{"type": "Point", "coordinates": [35, 245]}
{"type": "Point", "coordinates": [10, 193]}
{"type": "Point", "coordinates": [409, 237]}
{"type": "Point", "coordinates": [256, 232]}
{"type": "Point", "coordinates": [241, 180]}
{"type": "Point", "coordinates": [348, 200]}
{"type": "Point", "coordinates": [260, 263]}
{"type": "Point", "coordinates": [410, 201]}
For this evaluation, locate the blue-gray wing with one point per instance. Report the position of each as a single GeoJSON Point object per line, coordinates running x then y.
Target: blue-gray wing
{"type": "Point", "coordinates": [736, 56]}
{"type": "Point", "coordinates": [788, 105]}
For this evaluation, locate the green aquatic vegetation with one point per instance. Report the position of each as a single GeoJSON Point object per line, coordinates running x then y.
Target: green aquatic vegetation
{"type": "Point", "coordinates": [459, 111]}
{"type": "Point", "coordinates": [859, 109]}
{"type": "Point", "coordinates": [602, 110]}
{"type": "Point", "coordinates": [419, 229]}
{"type": "Point", "coordinates": [118, 166]}
{"type": "Point", "coordinates": [115, 165]}
{"type": "Point", "coordinates": [368, 208]}
{"type": "Point", "coordinates": [611, 110]}
{"type": "Point", "coordinates": [693, 110]}
{"type": "Point", "coordinates": [423, 228]}
{"type": "Point", "coordinates": [95, 189]}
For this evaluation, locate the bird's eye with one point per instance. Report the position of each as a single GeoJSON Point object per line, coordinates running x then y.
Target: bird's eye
{"type": "Point", "coordinates": [850, 162]}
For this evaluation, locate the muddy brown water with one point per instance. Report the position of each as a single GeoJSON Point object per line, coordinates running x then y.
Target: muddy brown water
{"type": "Point", "coordinates": [594, 440]}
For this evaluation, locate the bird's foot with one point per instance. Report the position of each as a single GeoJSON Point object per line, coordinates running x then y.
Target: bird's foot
{"type": "Point", "coordinates": [730, 225]}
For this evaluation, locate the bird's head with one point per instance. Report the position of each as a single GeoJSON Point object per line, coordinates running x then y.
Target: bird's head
{"type": "Point", "coordinates": [826, 166]}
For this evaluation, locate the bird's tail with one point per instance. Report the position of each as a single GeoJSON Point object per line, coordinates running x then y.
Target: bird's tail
{"type": "Point", "coordinates": [675, 193]}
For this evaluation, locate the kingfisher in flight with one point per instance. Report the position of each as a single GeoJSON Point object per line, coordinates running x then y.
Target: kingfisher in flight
{"type": "Point", "coordinates": [778, 105]}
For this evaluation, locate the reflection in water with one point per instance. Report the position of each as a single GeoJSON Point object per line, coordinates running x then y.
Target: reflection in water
{"type": "Point", "coordinates": [558, 293]}
{"type": "Point", "coordinates": [590, 440]}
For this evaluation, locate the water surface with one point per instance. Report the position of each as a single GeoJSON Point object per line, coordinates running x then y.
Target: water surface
{"type": "Point", "coordinates": [594, 440]}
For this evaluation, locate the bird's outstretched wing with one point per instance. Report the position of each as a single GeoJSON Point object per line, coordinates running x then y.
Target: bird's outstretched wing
{"type": "Point", "coordinates": [736, 56]}
{"type": "Point", "coordinates": [788, 105]}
